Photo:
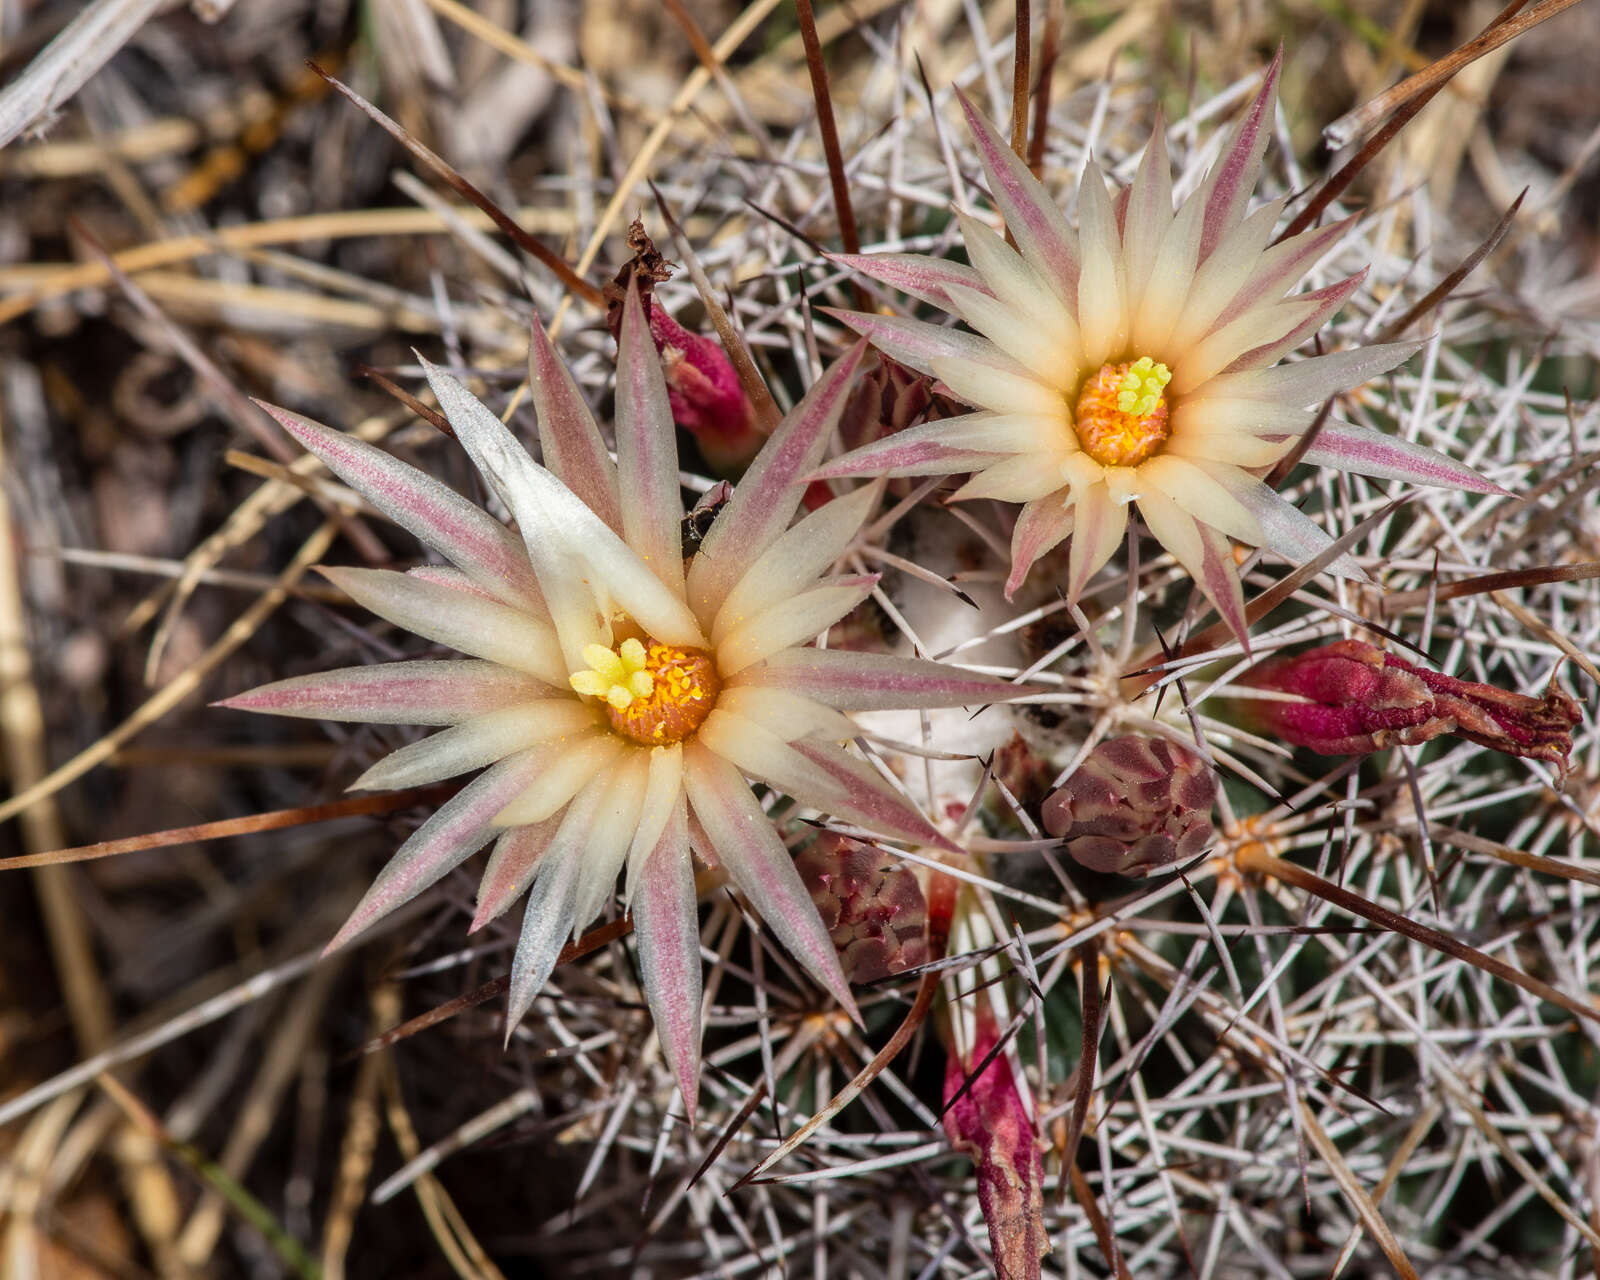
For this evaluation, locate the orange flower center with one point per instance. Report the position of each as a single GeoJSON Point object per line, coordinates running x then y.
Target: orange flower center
{"type": "Point", "coordinates": [654, 693]}
{"type": "Point", "coordinates": [1121, 417]}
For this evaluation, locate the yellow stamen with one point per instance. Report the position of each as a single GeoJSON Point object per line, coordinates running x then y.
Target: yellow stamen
{"type": "Point", "coordinates": [1121, 416]}
{"type": "Point", "coordinates": [654, 693]}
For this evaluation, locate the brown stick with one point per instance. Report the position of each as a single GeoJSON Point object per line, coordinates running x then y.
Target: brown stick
{"type": "Point", "coordinates": [1019, 80]}
{"type": "Point", "coordinates": [849, 236]}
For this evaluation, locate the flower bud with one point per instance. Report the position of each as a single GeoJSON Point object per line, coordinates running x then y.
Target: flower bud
{"type": "Point", "coordinates": [1356, 698]}
{"type": "Point", "coordinates": [990, 1123]}
{"type": "Point", "coordinates": [707, 398]}
{"type": "Point", "coordinates": [873, 909]}
{"type": "Point", "coordinates": [1135, 805]}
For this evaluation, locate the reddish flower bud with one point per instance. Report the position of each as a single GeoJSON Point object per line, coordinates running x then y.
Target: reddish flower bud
{"type": "Point", "coordinates": [1359, 698]}
{"type": "Point", "coordinates": [991, 1124]}
{"type": "Point", "coordinates": [1136, 804]}
{"type": "Point", "coordinates": [707, 398]}
{"type": "Point", "coordinates": [873, 909]}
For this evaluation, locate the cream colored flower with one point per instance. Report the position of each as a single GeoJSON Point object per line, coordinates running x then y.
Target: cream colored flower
{"type": "Point", "coordinates": [616, 697]}
{"type": "Point", "coordinates": [1130, 360]}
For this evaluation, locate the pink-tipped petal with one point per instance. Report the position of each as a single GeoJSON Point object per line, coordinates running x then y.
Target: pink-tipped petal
{"type": "Point", "coordinates": [916, 344]}
{"type": "Point", "coordinates": [393, 693]}
{"type": "Point", "coordinates": [1284, 528]}
{"type": "Point", "coordinates": [1033, 218]}
{"type": "Point", "coordinates": [1219, 579]}
{"type": "Point", "coordinates": [921, 277]}
{"type": "Point", "coordinates": [858, 793]}
{"type": "Point", "coordinates": [512, 866]}
{"type": "Point", "coordinates": [1311, 381]}
{"type": "Point", "coordinates": [792, 621]}
{"type": "Point", "coordinates": [787, 714]}
{"type": "Point", "coordinates": [568, 437]}
{"type": "Point", "coordinates": [610, 836]}
{"type": "Point", "coordinates": [1227, 187]}
{"type": "Point", "coordinates": [1102, 315]}
{"type": "Point", "coordinates": [1147, 214]}
{"type": "Point", "coordinates": [1099, 522]}
{"type": "Point", "coordinates": [1278, 268]}
{"type": "Point", "coordinates": [1324, 302]}
{"type": "Point", "coordinates": [1257, 330]}
{"type": "Point", "coordinates": [1041, 526]}
{"type": "Point", "coordinates": [796, 559]}
{"type": "Point", "coordinates": [765, 500]}
{"type": "Point", "coordinates": [562, 535]}
{"type": "Point", "coordinates": [663, 792]}
{"type": "Point", "coordinates": [945, 447]}
{"type": "Point", "coordinates": [437, 515]}
{"type": "Point", "coordinates": [1347, 447]}
{"type": "Point", "coordinates": [1192, 486]}
{"type": "Point", "coordinates": [849, 681]}
{"type": "Point", "coordinates": [647, 450]}
{"type": "Point", "coordinates": [459, 828]}
{"type": "Point", "coordinates": [666, 924]}
{"type": "Point", "coordinates": [760, 867]}
{"type": "Point", "coordinates": [463, 620]}
{"type": "Point", "coordinates": [1221, 276]}
{"type": "Point", "coordinates": [545, 926]}
{"type": "Point", "coordinates": [478, 742]}
{"type": "Point", "coordinates": [580, 761]}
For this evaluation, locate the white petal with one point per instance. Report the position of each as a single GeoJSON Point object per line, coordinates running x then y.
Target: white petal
{"type": "Point", "coordinates": [545, 926]}
{"type": "Point", "coordinates": [1161, 306]}
{"type": "Point", "coordinates": [1217, 350]}
{"type": "Point", "coordinates": [795, 561]}
{"type": "Point", "coordinates": [663, 797]}
{"type": "Point", "coordinates": [421, 692]}
{"type": "Point", "coordinates": [1020, 335]}
{"type": "Point", "coordinates": [1312, 381]}
{"type": "Point", "coordinates": [1100, 286]}
{"type": "Point", "coordinates": [615, 823]}
{"type": "Point", "coordinates": [1149, 217]}
{"type": "Point", "coordinates": [1284, 528]}
{"type": "Point", "coordinates": [1019, 479]}
{"type": "Point", "coordinates": [647, 452]}
{"type": "Point", "coordinates": [790, 622]}
{"type": "Point", "coordinates": [1221, 277]}
{"type": "Point", "coordinates": [566, 774]}
{"type": "Point", "coordinates": [1018, 286]}
{"type": "Point", "coordinates": [1194, 489]}
{"type": "Point", "coordinates": [477, 742]}
{"type": "Point", "coordinates": [788, 715]}
{"type": "Point", "coordinates": [463, 620]}
{"type": "Point", "coordinates": [666, 923]}
{"type": "Point", "coordinates": [1004, 388]}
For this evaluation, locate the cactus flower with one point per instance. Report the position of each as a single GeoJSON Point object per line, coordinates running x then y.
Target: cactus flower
{"type": "Point", "coordinates": [615, 696]}
{"type": "Point", "coordinates": [1131, 360]}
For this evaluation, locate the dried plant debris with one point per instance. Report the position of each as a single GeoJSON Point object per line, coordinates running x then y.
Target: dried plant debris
{"type": "Point", "coordinates": [1176, 858]}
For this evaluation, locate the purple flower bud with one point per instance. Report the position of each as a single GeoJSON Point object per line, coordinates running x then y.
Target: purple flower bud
{"type": "Point", "coordinates": [990, 1123]}
{"type": "Point", "coordinates": [707, 398]}
{"type": "Point", "coordinates": [1358, 698]}
{"type": "Point", "coordinates": [1135, 805]}
{"type": "Point", "coordinates": [874, 910]}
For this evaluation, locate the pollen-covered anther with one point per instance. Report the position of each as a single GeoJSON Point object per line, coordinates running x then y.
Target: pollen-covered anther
{"type": "Point", "coordinates": [654, 693]}
{"type": "Point", "coordinates": [1121, 417]}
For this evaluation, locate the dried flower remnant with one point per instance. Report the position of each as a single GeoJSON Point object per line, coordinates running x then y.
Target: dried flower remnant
{"type": "Point", "coordinates": [1130, 360]}
{"type": "Point", "coordinates": [990, 1123]}
{"type": "Point", "coordinates": [1135, 805]}
{"type": "Point", "coordinates": [873, 909]}
{"type": "Point", "coordinates": [1350, 698]}
{"type": "Point", "coordinates": [615, 696]}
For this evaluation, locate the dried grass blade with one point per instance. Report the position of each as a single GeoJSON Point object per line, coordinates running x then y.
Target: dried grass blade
{"type": "Point", "coordinates": [1448, 285]}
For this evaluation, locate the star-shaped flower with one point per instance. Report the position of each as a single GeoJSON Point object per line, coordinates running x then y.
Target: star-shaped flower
{"type": "Point", "coordinates": [1132, 360]}
{"type": "Point", "coordinates": [615, 697]}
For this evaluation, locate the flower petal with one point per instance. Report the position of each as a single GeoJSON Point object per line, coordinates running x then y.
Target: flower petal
{"type": "Point", "coordinates": [462, 532]}
{"type": "Point", "coordinates": [1101, 318]}
{"type": "Point", "coordinates": [568, 437]}
{"type": "Point", "coordinates": [742, 837]}
{"type": "Point", "coordinates": [1002, 385]}
{"type": "Point", "coordinates": [478, 742]}
{"type": "Point", "coordinates": [463, 620]}
{"type": "Point", "coordinates": [1099, 523]}
{"type": "Point", "coordinates": [392, 693]}
{"type": "Point", "coordinates": [1020, 478]}
{"type": "Point", "coordinates": [547, 922]}
{"type": "Point", "coordinates": [786, 714]}
{"type": "Point", "coordinates": [1326, 302]}
{"type": "Point", "coordinates": [1041, 525]}
{"type": "Point", "coordinates": [1019, 334]}
{"type": "Point", "coordinates": [858, 792]}
{"type": "Point", "coordinates": [666, 924]}
{"type": "Point", "coordinates": [852, 681]}
{"type": "Point", "coordinates": [1219, 579]}
{"type": "Point", "coordinates": [611, 836]}
{"type": "Point", "coordinates": [1310, 381]}
{"type": "Point", "coordinates": [796, 559]}
{"type": "Point", "coordinates": [561, 534]}
{"type": "Point", "coordinates": [1347, 447]}
{"type": "Point", "coordinates": [1149, 214]}
{"type": "Point", "coordinates": [663, 797]}
{"type": "Point", "coordinates": [1284, 528]}
{"type": "Point", "coordinates": [948, 446]}
{"type": "Point", "coordinates": [765, 499]}
{"type": "Point", "coordinates": [791, 621]}
{"type": "Point", "coordinates": [1032, 216]}
{"type": "Point", "coordinates": [1227, 187]}
{"type": "Point", "coordinates": [1155, 313]}
{"type": "Point", "coordinates": [1193, 488]}
{"type": "Point", "coordinates": [1254, 331]}
{"type": "Point", "coordinates": [1218, 280]}
{"type": "Point", "coordinates": [457, 830]}
{"type": "Point", "coordinates": [921, 277]}
{"type": "Point", "coordinates": [647, 451]}
{"type": "Point", "coordinates": [1277, 269]}
{"type": "Point", "coordinates": [1018, 285]}
{"type": "Point", "coordinates": [512, 865]}
{"type": "Point", "coordinates": [565, 774]}
{"type": "Point", "coordinates": [915, 343]}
